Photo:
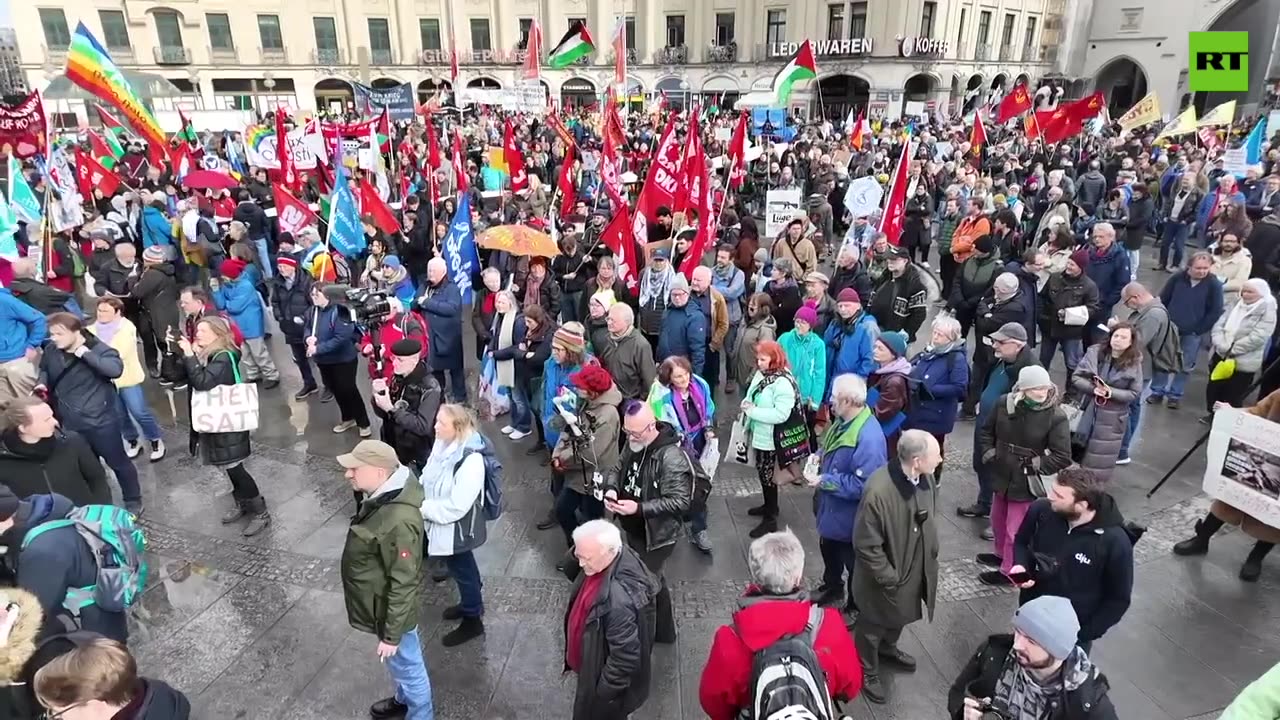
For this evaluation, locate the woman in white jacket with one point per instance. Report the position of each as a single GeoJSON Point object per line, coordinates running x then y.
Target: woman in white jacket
{"type": "Point", "coordinates": [453, 513]}
{"type": "Point", "coordinates": [1241, 334]}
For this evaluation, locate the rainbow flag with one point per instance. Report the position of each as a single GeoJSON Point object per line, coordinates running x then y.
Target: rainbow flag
{"type": "Point", "coordinates": [89, 65]}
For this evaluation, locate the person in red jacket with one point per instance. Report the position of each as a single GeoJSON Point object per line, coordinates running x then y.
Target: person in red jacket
{"type": "Point", "coordinates": [774, 606]}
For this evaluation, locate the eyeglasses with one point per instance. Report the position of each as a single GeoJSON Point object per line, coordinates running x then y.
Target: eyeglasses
{"type": "Point", "coordinates": [639, 434]}
{"type": "Point", "coordinates": [51, 715]}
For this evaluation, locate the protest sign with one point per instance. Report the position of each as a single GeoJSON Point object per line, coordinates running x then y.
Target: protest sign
{"type": "Point", "coordinates": [225, 408]}
{"type": "Point", "coordinates": [22, 126]}
{"type": "Point", "coordinates": [863, 196]}
{"type": "Point", "coordinates": [398, 100]}
{"type": "Point", "coordinates": [1242, 465]}
{"type": "Point", "coordinates": [781, 206]}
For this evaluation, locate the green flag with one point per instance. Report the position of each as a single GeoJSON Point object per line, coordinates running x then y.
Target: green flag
{"type": "Point", "coordinates": [22, 198]}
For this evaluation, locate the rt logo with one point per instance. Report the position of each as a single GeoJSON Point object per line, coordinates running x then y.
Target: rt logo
{"type": "Point", "coordinates": [1219, 62]}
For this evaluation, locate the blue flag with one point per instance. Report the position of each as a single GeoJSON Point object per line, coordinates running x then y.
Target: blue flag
{"type": "Point", "coordinates": [1253, 144]}
{"type": "Point", "coordinates": [460, 248]}
{"type": "Point", "coordinates": [346, 234]}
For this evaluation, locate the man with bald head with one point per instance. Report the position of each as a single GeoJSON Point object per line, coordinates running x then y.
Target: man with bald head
{"type": "Point", "coordinates": [716, 313]}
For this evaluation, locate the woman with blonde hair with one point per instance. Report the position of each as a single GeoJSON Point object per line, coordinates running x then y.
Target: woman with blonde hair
{"type": "Point", "coordinates": [212, 360]}
{"type": "Point", "coordinates": [453, 513]}
{"type": "Point", "coordinates": [98, 678]}
{"type": "Point", "coordinates": [114, 329]}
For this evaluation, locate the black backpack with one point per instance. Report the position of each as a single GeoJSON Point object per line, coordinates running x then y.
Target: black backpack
{"type": "Point", "coordinates": [787, 681]}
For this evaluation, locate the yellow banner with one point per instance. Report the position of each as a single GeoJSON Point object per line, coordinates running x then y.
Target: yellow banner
{"type": "Point", "coordinates": [1223, 114]}
{"type": "Point", "coordinates": [1147, 110]}
{"type": "Point", "coordinates": [1181, 125]}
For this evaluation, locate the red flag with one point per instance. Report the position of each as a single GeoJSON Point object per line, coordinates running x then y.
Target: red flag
{"type": "Point", "coordinates": [384, 128]}
{"type": "Point", "coordinates": [738, 153]}
{"type": "Point", "coordinates": [433, 147]}
{"type": "Point", "coordinates": [157, 155]}
{"type": "Point", "coordinates": [706, 226]}
{"type": "Point", "coordinates": [514, 158]}
{"type": "Point", "coordinates": [453, 62]}
{"type": "Point", "coordinates": [661, 182]}
{"type": "Point", "coordinates": [620, 55]}
{"type": "Point", "coordinates": [977, 142]}
{"type": "Point", "coordinates": [616, 238]}
{"type": "Point", "coordinates": [291, 213]}
{"type": "Point", "coordinates": [533, 53]}
{"type": "Point", "coordinates": [1208, 137]}
{"type": "Point", "coordinates": [1015, 103]}
{"type": "Point", "coordinates": [1031, 126]}
{"type": "Point", "coordinates": [1058, 125]}
{"type": "Point", "coordinates": [284, 153]}
{"type": "Point", "coordinates": [91, 175]}
{"type": "Point", "coordinates": [372, 204]}
{"type": "Point", "coordinates": [896, 209]}
{"type": "Point", "coordinates": [181, 160]}
{"type": "Point", "coordinates": [610, 171]}
{"type": "Point", "coordinates": [1086, 108]}
{"type": "Point", "coordinates": [459, 167]}
{"type": "Point", "coordinates": [109, 123]}
{"type": "Point", "coordinates": [855, 138]}
{"type": "Point", "coordinates": [567, 194]}
{"type": "Point", "coordinates": [690, 169]}
{"type": "Point", "coordinates": [101, 151]}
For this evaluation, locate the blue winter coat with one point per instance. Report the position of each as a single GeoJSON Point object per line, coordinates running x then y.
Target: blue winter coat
{"type": "Point", "coordinates": [240, 299]}
{"type": "Point", "coordinates": [1110, 272]}
{"type": "Point", "coordinates": [443, 311]}
{"type": "Point", "coordinates": [849, 348]}
{"type": "Point", "coordinates": [21, 327]}
{"type": "Point", "coordinates": [335, 334]}
{"type": "Point", "coordinates": [684, 332]}
{"type": "Point", "coordinates": [555, 377]}
{"type": "Point", "coordinates": [404, 291]}
{"type": "Point", "coordinates": [156, 228]}
{"type": "Point", "coordinates": [844, 470]}
{"type": "Point", "coordinates": [938, 384]}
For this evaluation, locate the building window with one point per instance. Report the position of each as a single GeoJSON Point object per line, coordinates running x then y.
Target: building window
{"type": "Point", "coordinates": [630, 23]}
{"type": "Point", "coordinates": [984, 27]}
{"type": "Point", "coordinates": [724, 28]}
{"type": "Point", "coordinates": [114, 31]}
{"type": "Point", "coordinates": [379, 35]}
{"type": "Point", "coordinates": [429, 33]}
{"type": "Point", "coordinates": [858, 20]}
{"type": "Point", "coordinates": [480, 34]}
{"type": "Point", "coordinates": [576, 20]}
{"type": "Point", "coordinates": [269, 32]}
{"type": "Point", "coordinates": [326, 33]}
{"type": "Point", "coordinates": [835, 22]}
{"type": "Point", "coordinates": [1030, 39]}
{"type": "Point", "coordinates": [775, 29]}
{"type": "Point", "coordinates": [526, 27]}
{"type": "Point", "coordinates": [168, 29]}
{"type": "Point", "coordinates": [675, 30]}
{"type": "Point", "coordinates": [56, 34]}
{"type": "Point", "coordinates": [929, 12]}
{"type": "Point", "coordinates": [1006, 36]}
{"type": "Point", "coordinates": [964, 15]}
{"type": "Point", "coordinates": [220, 37]}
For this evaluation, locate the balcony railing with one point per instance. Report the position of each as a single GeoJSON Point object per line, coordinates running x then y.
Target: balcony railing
{"type": "Point", "coordinates": [382, 56]}
{"type": "Point", "coordinates": [632, 57]}
{"type": "Point", "coordinates": [172, 55]}
{"type": "Point", "coordinates": [1006, 54]}
{"type": "Point", "coordinates": [54, 55]}
{"type": "Point", "coordinates": [672, 55]}
{"type": "Point", "coordinates": [720, 54]}
{"type": "Point", "coordinates": [224, 54]}
{"type": "Point", "coordinates": [982, 52]}
{"type": "Point", "coordinates": [1032, 53]}
{"type": "Point", "coordinates": [328, 56]}
{"type": "Point", "coordinates": [276, 56]}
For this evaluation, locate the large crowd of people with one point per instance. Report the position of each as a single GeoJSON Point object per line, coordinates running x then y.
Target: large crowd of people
{"type": "Point", "coordinates": [809, 354]}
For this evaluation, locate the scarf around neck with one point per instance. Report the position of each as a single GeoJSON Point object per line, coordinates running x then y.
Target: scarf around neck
{"type": "Point", "coordinates": [504, 326]}
{"type": "Point", "coordinates": [699, 401]}
{"type": "Point", "coordinates": [656, 285]}
{"type": "Point", "coordinates": [107, 330]}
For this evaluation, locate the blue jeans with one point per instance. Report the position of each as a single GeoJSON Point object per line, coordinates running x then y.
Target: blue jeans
{"type": "Point", "coordinates": [409, 674]}
{"type": "Point", "coordinates": [521, 410]}
{"type": "Point", "coordinates": [133, 404]}
{"type": "Point", "coordinates": [106, 444]}
{"type": "Point", "coordinates": [264, 258]}
{"type": "Point", "coordinates": [1072, 351]}
{"type": "Point", "coordinates": [466, 574]}
{"type": "Point", "coordinates": [1173, 240]}
{"type": "Point", "coordinates": [1135, 415]}
{"type": "Point", "coordinates": [1172, 385]}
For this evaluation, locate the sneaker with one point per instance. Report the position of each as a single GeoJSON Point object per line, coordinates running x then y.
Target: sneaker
{"type": "Point", "coordinates": [994, 577]}
{"type": "Point", "coordinates": [133, 448]}
{"type": "Point", "coordinates": [344, 426]}
{"type": "Point", "coordinates": [974, 511]}
{"type": "Point", "coordinates": [157, 451]}
{"type": "Point", "coordinates": [326, 397]}
{"type": "Point", "coordinates": [179, 386]}
{"type": "Point", "coordinates": [508, 429]}
{"type": "Point", "coordinates": [987, 533]}
{"type": "Point", "coordinates": [873, 690]}
{"type": "Point", "coordinates": [306, 392]}
{"type": "Point", "coordinates": [519, 434]}
{"type": "Point", "coordinates": [1124, 460]}
{"type": "Point", "coordinates": [702, 541]}
{"type": "Point", "coordinates": [1172, 403]}
{"type": "Point", "coordinates": [366, 432]}
{"type": "Point", "coordinates": [988, 559]}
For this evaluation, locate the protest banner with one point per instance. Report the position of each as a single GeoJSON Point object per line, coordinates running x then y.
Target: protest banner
{"type": "Point", "coordinates": [1242, 465]}
{"type": "Point", "coordinates": [398, 100]}
{"type": "Point", "coordinates": [260, 147]}
{"type": "Point", "coordinates": [225, 408]}
{"type": "Point", "coordinates": [780, 207]}
{"type": "Point", "coordinates": [22, 126]}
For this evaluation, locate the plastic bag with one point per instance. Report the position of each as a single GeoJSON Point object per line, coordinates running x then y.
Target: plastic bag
{"type": "Point", "coordinates": [1223, 370]}
{"type": "Point", "coordinates": [739, 445]}
{"type": "Point", "coordinates": [493, 400]}
{"type": "Point", "coordinates": [710, 459]}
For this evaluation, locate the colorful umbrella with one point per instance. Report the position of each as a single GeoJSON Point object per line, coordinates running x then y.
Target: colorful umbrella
{"type": "Point", "coordinates": [209, 180]}
{"type": "Point", "coordinates": [518, 240]}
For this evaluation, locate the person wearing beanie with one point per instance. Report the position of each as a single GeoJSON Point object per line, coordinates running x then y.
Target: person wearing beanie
{"type": "Point", "coordinates": [1067, 301]}
{"type": "Point", "coordinates": [407, 404]}
{"type": "Point", "coordinates": [441, 305]}
{"type": "Point", "coordinates": [1037, 671]}
{"type": "Point", "coordinates": [394, 279]}
{"type": "Point", "coordinates": [568, 356]}
{"type": "Point", "coordinates": [973, 279]}
{"type": "Point", "coordinates": [807, 354]}
{"type": "Point", "coordinates": [156, 292]}
{"type": "Point", "coordinates": [684, 331]}
{"type": "Point", "coordinates": [290, 301]}
{"type": "Point", "coordinates": [238, 297]}
{"type": "Point", "coordinates": [1026, 438]}
{"type": "Point", "coordinates": [888, 387]}
{"type": "Point", "coordinates": [849, 340]}
{"type": "Point", "coordinates": [574, 460]}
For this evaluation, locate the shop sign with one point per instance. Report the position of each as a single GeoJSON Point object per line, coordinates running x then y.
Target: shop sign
{"type": "Point", "coordinates": [578, 86]}
{"type": "Point", "coordinates": [914, 46]}
{"type": "Point", "coordinates": [474, 57]}
{"type": "Point", "coordinates": [824, 48]}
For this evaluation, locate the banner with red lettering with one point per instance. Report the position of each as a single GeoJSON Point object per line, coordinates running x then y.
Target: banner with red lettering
{"type": "Point", "coordinates": [661, 183]}
{"type": "Point", "coordinates": [22, 127]}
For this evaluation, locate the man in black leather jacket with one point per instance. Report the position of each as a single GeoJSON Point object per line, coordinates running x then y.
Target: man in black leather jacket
{"type": "Point", "coordinates": [408, 404]}
{"type": "Point", "coordinates": [650, 490]}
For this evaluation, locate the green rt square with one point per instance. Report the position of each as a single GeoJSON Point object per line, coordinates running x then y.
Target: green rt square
{"type": "Point", "coordinates": [1219, 62]}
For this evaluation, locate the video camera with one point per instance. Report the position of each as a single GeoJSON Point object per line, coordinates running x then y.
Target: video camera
{"type": "Point", "coordinates": [370, 307]}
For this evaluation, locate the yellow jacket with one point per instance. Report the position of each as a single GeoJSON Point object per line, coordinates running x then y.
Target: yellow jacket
{"type": "Point", "coordinates": [125, 342]}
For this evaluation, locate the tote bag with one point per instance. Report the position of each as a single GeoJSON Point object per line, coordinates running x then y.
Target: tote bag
{"type": "Point", "coordinates": [791, 436]}
{"type": "Point", "coordinates": [225, 408]}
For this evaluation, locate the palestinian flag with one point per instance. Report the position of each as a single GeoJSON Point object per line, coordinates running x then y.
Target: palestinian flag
{"type": "Point", "coordinates": [575, 44]}
{"type": "Point", "coordinates": [107, 152]}
{"type": "Point", "coordinates": [801, 67]}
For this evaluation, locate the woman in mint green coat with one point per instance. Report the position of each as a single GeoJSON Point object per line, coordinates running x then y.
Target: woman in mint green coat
{"type": "Point", "coordinates": [769, 400]}
{"type": "Point", "coordinates": [807, 354]}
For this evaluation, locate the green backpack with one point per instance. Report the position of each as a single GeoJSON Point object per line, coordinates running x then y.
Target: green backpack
{"type": "Point", "coordinates": [118, 548]}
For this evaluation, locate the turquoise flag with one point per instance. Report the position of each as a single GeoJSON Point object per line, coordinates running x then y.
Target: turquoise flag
{"type": "Point", "coordinates": [23, 198]}
{"type": "Point", "coordinates": [8, 227]}
{"type": "Point", "coordinates": [346, 234]}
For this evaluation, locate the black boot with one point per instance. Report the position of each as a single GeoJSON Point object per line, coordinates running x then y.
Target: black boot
{"type": "Point", "coordinates": [766, 526]}
{"type": "Point", "coordinates": [549, 521]}
{"type": "Point", "coordinates": [1252, 568]}
{"type": "Point", "coordinates": [471, 628]}
{"type": "Point", "coordinates": [664, 630]}
{"type": "Point", "coordinates": [259, 519]}
{"type": "Point", "coordinates": [1198, 544]}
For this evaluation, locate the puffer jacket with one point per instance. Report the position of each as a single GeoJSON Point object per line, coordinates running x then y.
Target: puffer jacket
{"type": "Point", "coordinates": [289, 305]}
{"type": "Point", "coordinates": [1250, 340]}
{"type": "Point", "coordinates": [849, 347]}
{"type": "Point", "coordinates": [807, 355]}
{"type": "Point", "coordinates": [1103, 424]}
{"type": "Point", "coordinates": [617, 641]}
{"type": "Point", "coordinates": [156, 228]}
{"type": "Point", "coordinates": [81, 390]}
{"type": "Point", "coordinates": [684, 332]}
{"type": "Point", "coordinates": [219, 449]}
{"type": "Point", "coordinates": [17, 702]}
{"type": "Point", "coordinates": [62, 464]}
{"type": "Point", "coordinates": [1016, 439]}
{"type": "Point", "coordinates": [939, 381]}
{"type": "Point", "coordinates": [773, 397]}
{"type": "Point", "coordinates": [1109, 270]}
{"type": "Point", "coordinates": [1061, 291]}
{"type": "Point", "coordinates": [241, 301]}
{"type": "Point", "coordinates": [665, 487]}
{"type": "Point", "coordinates": [157, 292]}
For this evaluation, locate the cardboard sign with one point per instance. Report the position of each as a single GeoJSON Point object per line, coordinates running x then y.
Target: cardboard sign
{"type": "Point", "coordinates": [1242, 465]}
{"type": "Point", "coordinates": [781, 207]}
{"type": "Point", "coordinates": [225, 408]}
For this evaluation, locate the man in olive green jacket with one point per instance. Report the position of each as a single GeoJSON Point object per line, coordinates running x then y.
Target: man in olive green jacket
{"type": "Point", "coordinates": [381, 572]}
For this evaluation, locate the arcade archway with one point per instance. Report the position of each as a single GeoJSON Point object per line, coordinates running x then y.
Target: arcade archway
{"type": "Point", "coordinates": [1123, 82]}
{"type": "Point", "coordinates": [334, 94]}
{"type": "Point", "coordinates": [837, 94]}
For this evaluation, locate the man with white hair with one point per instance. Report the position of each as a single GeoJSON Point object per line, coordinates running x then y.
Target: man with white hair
{"type": "Point", "coordinates": [895, 538]}
{"type": "Point", "coordinates": [1109, 270]}
{"type": "Point", "coordinates": [609, 627]}
{"type": "Point", "coordinates": [628, 356]}
{"type": "Point", "coordinates": [775, 607]}
{"type": "Point", "coordinates": [441, 304]}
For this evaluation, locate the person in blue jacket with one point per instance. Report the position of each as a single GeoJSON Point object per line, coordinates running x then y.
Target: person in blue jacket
{"type": "Point", "coordinates": [851, 450]}
{"type": "Point", "coordinates": [939, 381]}
{"type": "Point", "coordinates": [22, 332]}
{"type": "Point", "coordinates": [237, 295]}
{"type": "Point", "coordinates": [850, 338]}
{"type": "Point", "coordinates": [332, 345]}
{"type": "Point", "coordinates": [441, 303]}
{"type": "Point", "coordinates": [684, 327]}
{"type": "Point", "coordinates": [395, 279]}
{"type": "Point", "coordinates": [1109, 270]}
{"type": "Point", "coordinates": [1217, 201]}
{"type": "Point", "coordinates": [157, 229]}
